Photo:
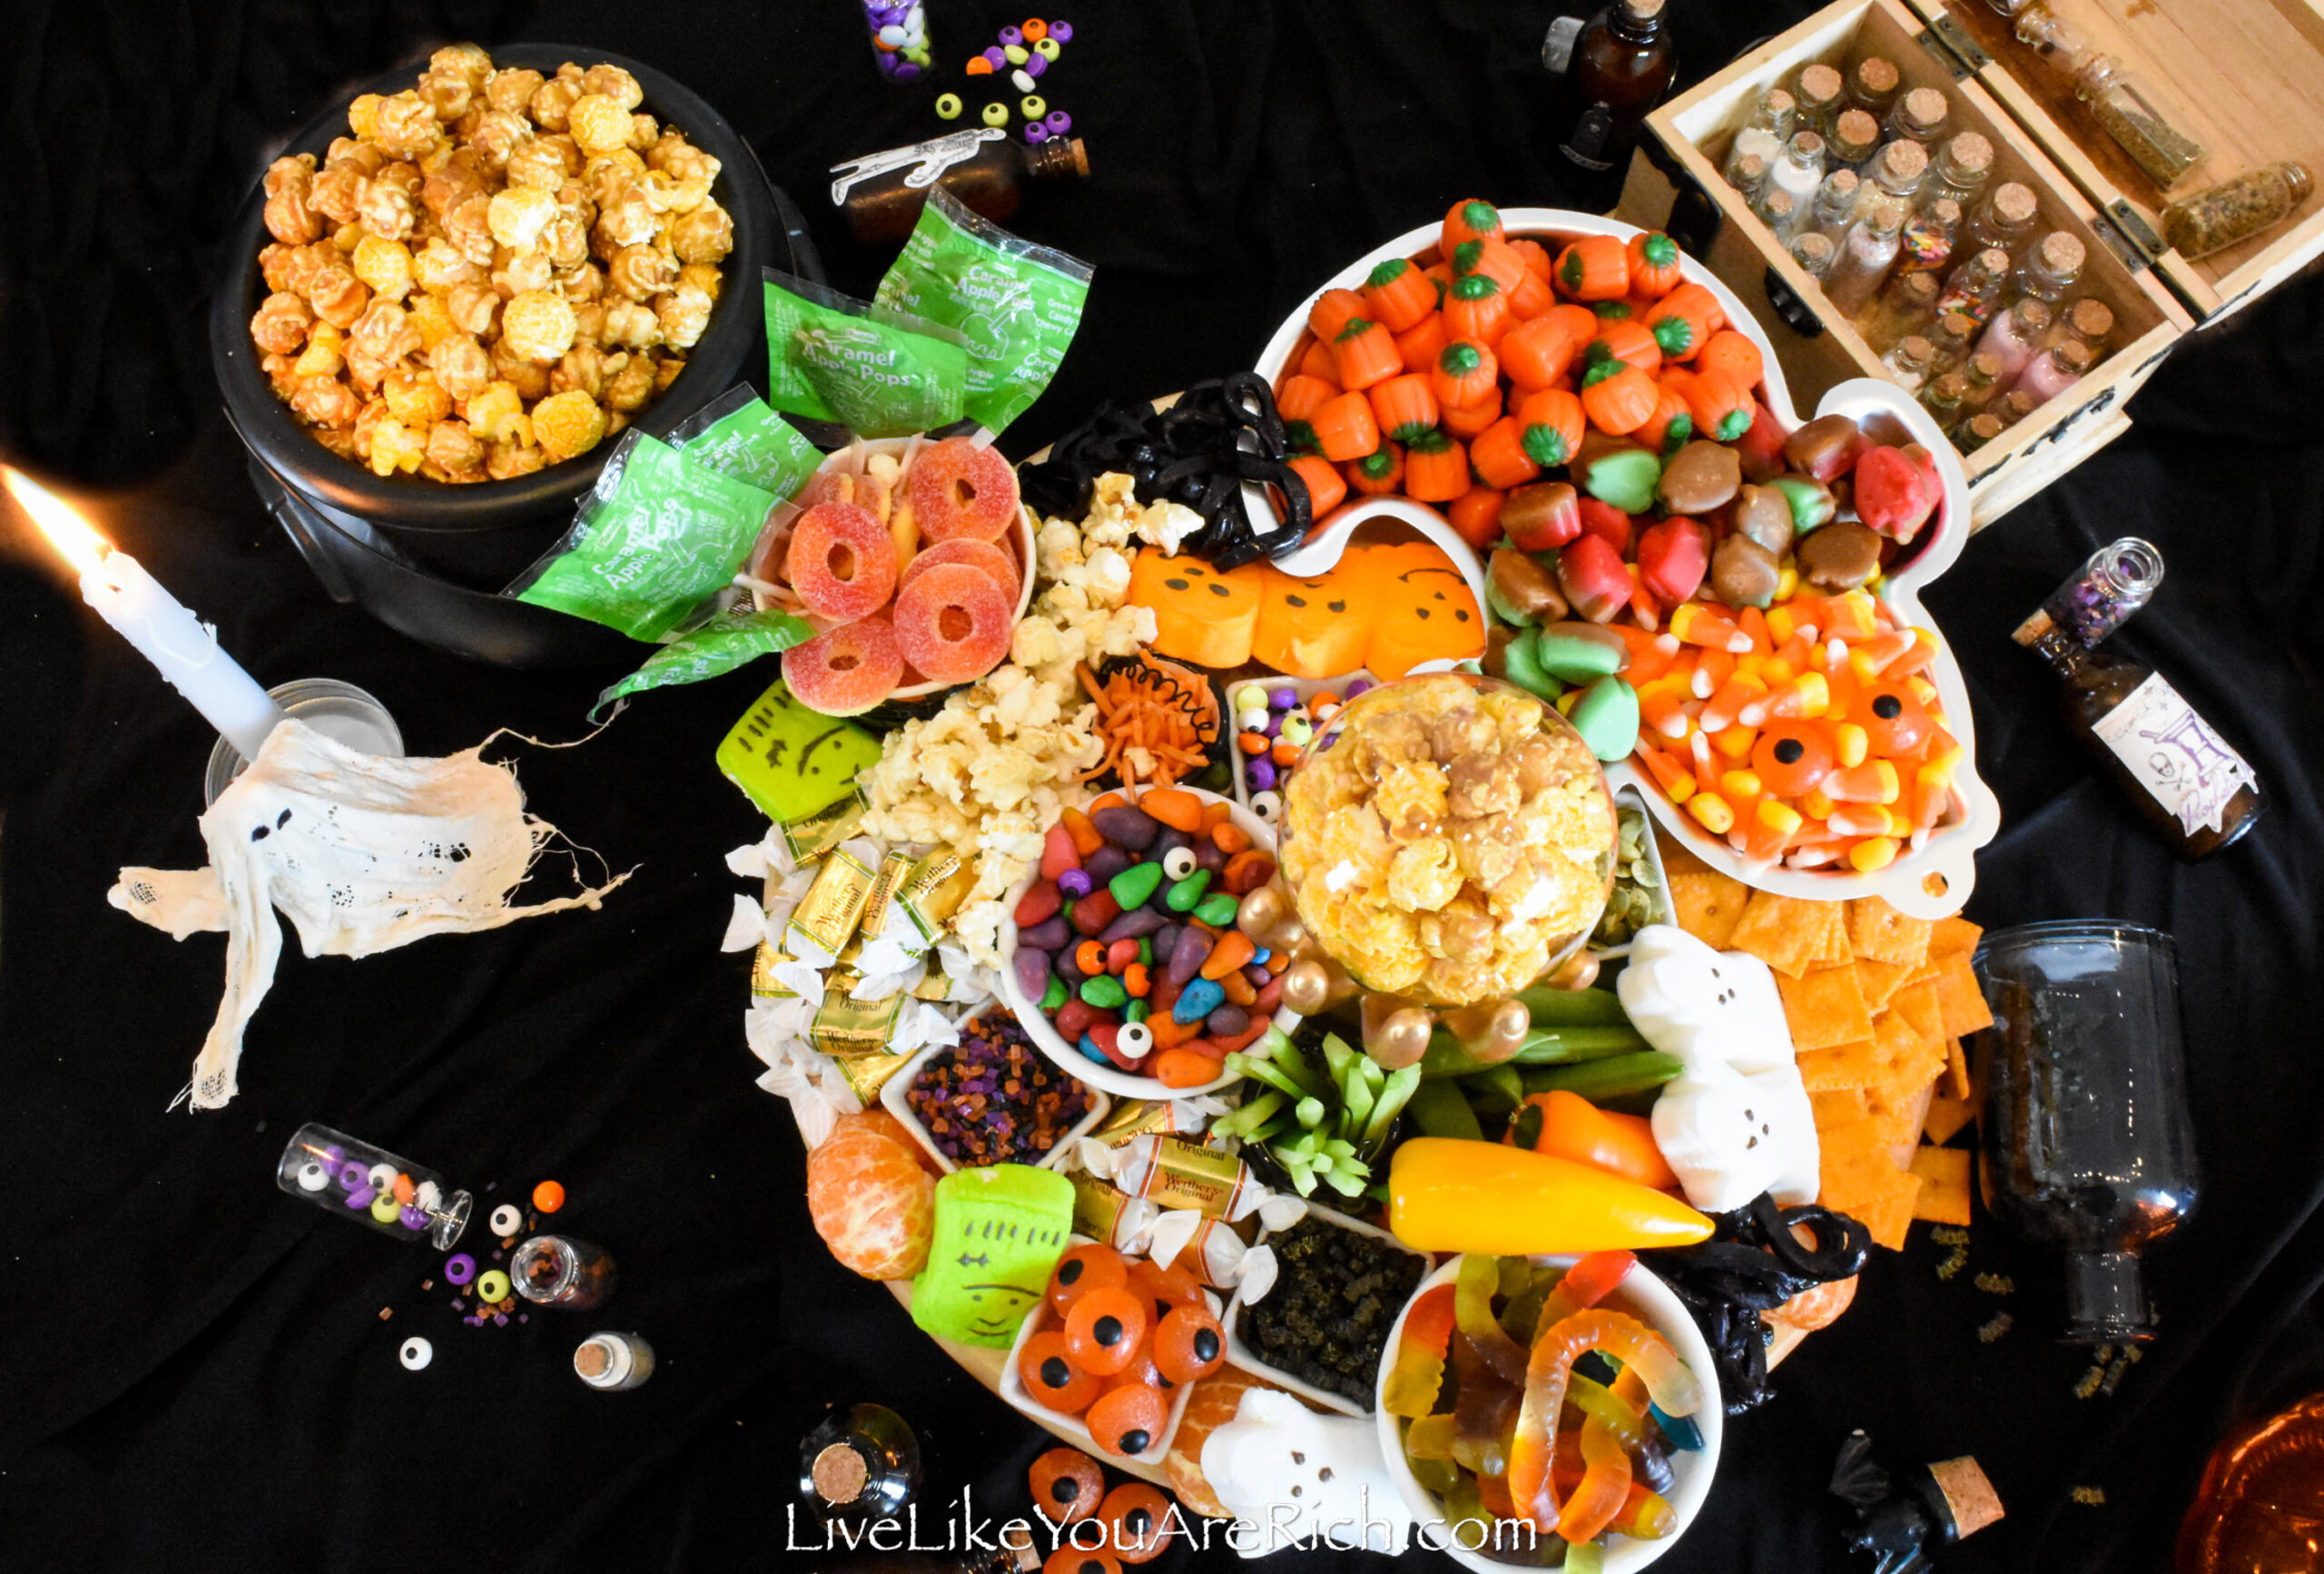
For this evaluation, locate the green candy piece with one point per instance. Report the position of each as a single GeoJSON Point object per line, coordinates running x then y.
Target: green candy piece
{"type": "Point", "coordinates": [1105, 991]}
{"type": "Point", "coordinates": [1188, 892]}
{"type": "Point", "coordinates": [1811, 502]}
{"type": "Point", "coordinates": [1499, 605]}
{"type": "Point", "coordinates": [1054, 996]}
{"type": "Point", "coordinates": [1217, 910]}
{"type": "Point", "coordinates": [1626, 478]}
{"type": "Point", "coordinates": [1135, 1011]}
{"type": "Point", "coordinates": [793, 762]}
{"type": "Point", "coordinates": [1522, 667]}
{"type": "Point", "coordinates": [1134, 885]}
{"type": "Point", "coordinates": [1607, 718]}
{"type": "Point", "coordinates": [1573, 658]}
{"type": "Point", "coordinates": [999, 1230]}
{"type": "Point", "coordinates": [1146, 949]}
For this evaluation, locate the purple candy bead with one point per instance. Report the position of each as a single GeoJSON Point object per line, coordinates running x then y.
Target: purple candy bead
{"type": "Point", "coordinates": [1032, 968]}
{"type": "Point", "coordinates": [1035, 132]}
{"type": "Point", "coordinates": [1012, 36]}
{"type": "Point", "coordinates": [354, 1177]}
{"type": "Point", "coordinates": [905, 72]}
{"type": "Point", "coordinates": [334, 1154]}
{"type": "Point", "coordinates": [360, 1198]}
{"type": "Point", "coordinates": [1260, 774]}
{"type": "Point", "coordinates": [1035, 64]}
{"type": "Point", "coordinates": [413, 1219]}
{"type": "Point", "coordinates": [1058, 121]}
{"type": "Point", "coordinates": [1135, 924]}
{"type": "Point", "coordinates": [1164, 938]}
{"type": "Point", "coordinates": [1076, 884]}
{"type": "Point", "coordinates": [1282, 699]}
{"type": "Point", "coordinates": [460, 1268]}
{"type": "Point", "coordinates": [1049, 934]}
{"type": "Point", "coordinates": [1061, 31]}
{"type": "Point", "coordinates": [994, 58]}
{"type": "Point", "coordinates": [1356, 686]}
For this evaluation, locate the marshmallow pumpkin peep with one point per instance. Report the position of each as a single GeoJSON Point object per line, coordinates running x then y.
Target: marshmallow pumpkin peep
{"type": "Point", "coordinates": [1737, 1121]}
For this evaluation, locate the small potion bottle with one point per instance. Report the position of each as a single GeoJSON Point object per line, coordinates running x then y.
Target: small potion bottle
{"type": "Point", "coordinates": [859, 1465]}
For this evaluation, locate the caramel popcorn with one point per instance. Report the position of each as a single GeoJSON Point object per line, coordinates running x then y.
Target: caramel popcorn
{"type": "Point", "coordinates": [491, 273]}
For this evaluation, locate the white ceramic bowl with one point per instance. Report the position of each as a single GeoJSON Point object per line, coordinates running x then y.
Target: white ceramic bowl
{"type": "Point", "coordinates": [1112, 1078]}
{"type": "Point", "coordinates": [1949, 855]}
{"type": "Point", "coordinates": [1239, 1353]}
{"type": "Point", "coordinates": [1651, 1301]}
{"type": "Point", "coordinates": [894, 1099]}
{"type": "Point", "coordinates": [1021, 537]}
{"type": "Point", "coordinates": [1012, 1389]}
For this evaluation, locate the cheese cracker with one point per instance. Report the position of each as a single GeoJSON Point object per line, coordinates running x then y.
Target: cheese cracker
{"type": "Point", "coordinates": [1709, 905]}
{"type": "Point", "coordinates": [1944, 1197]}
{"type": "Point", "coordinates": [1823, 1007]}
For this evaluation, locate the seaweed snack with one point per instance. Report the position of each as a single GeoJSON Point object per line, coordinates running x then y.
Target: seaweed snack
{"type": "Point", "coordinates": [1130, 951]}
{"type": "Point", "coordinates": [655, 538]}
{"type": "Point", "coordinates": [1450, 840]}
{"type": "Point", "coordinates": [439, 300]}
{"type": "Point", "coordinates": [738, 435]}
{"type": "Point", "coordinates": [998, 1230]}
{"type": "Point", "coordinates": [1386, 607]}
{"type": "Point", "coordinates": [994, 1099]}
{"type": "Point", "coordinates": [1161, 723]}
{"type": "Point", "coordinates": [880, 372]}
{"type": "Point", "coordinates": [1756, 1263]}
{"type": "Point", "coordinates": [1326, 1123]}
{"type": "Point", "coordinates": [1527, 1345]}
{"type": "Point", "coordinates": [1336, 1293]}
{"type": "Point", "coordinates": [870, 1198]}
{"type": "Point", "coordinates": [1015, 304]}
{"type": "Point", "coordinates": [1193, 454]}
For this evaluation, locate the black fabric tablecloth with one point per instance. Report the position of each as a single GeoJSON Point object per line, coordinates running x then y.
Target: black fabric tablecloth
{"type": "Point", "coordinates": [198, 1372]}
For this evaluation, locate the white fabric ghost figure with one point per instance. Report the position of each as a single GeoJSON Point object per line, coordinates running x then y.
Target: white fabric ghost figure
{"type": "Point", "coordinates": [363, 853]}
{"type": "Point", "coordinates": [1737, 1121]}
{"type": "Point", "coordinates": [1288, 1474]}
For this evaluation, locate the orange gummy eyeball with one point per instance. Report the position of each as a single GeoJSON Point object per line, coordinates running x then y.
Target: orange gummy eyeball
{"type": "Point", "coordinates": [1082, 1269]}
{"type": "Point", "coordinates": [1104, 1330]}
{"type": "Point", "coordinates": [1048, 1370]}
{"type": "Point", "coordinates": [548, 1197]}
{"type": "Point", "coordinates": [1127, 1421]}
{"type": "Point", "coordinates": [1068, 1484]}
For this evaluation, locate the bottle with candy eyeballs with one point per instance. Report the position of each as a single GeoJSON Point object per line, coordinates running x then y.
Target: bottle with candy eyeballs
{"type": "Point", "coordinates": [899, 42]}
{"type": "Point", "coordinates": [2189, 783]}
{"type": "Point", "coordinates": [372, 1186]}
{"type": "Point", "coordinates": [1621, 67]}
{"type": "Point", "coordinates": [2236, 209]}
{"type": "Point", "coordinates": [2087, 1125]}
{"type": "Point", "coordinates": [860, 1465]}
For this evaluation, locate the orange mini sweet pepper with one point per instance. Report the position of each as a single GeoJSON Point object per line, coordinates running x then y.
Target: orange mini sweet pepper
{"type": "Point", "coordinates": [1448, 1194]}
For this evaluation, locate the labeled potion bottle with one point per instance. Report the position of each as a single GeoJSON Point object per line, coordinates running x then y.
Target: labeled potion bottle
{"type": "Point", "coordinates": [1907, 305]}
{"type": "Point", "coordinates": [1918, 116]}
{"type": "Point", "coordinates": [1835, 207]}
{"type": "Point", "coordinates": [1974, 287]}
{"type": "Point", "coordinates": [2236, 209]}
{"type": "Point", "coordinates": [1864, 258]}
{"type": "Point", "coordinates": [1960, 171]}
{"type": "Point", "coordinates": [2053, 372]}
{"type": "Point", "coordinates": [1821, 94]}
{"type": "Point", "coordinates": [880, 195]}
{"type": "Point", "coordinates": [1926, 245]}
{"type": "Point", "coordinates": [2015, 338]}
{"type": "Point", "coordinates": [1895, 175]}
{"type": "Point", "coordinates": [1620, 69]}
{"type": "Point", "coordinates": [2193, 788]}
{"type": "Point", "coordinates": [2092, 1145]}
{"type": "Point", "coordinates": [1854, 138]}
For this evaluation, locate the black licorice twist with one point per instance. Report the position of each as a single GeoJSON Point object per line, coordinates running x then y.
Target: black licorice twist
{"type": "Point", "coordinates": [1219, 435]}
{"type": "Point", "coordinates": [1753, 1264]}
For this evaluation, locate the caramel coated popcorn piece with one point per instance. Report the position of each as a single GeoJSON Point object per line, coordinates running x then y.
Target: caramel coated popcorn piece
{"type": "Point", "coordinates": [566, 424]}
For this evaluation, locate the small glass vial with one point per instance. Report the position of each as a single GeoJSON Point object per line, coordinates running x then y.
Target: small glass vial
{"type": "Point", "coordinates": [1798, 172]}
{"type": "Point", "coordinates": [1856, 135]}
{"type": "Point", "coordinates": [1873, 85]}
{"type": "Point", "coordinates": [2015, 406]}
{"type": "Point", "coordinates": [559, 1271]}
{"type": "Point", "coordinates": [1821, 94]}
{"type": "Point", "coordinates": [2055, 371]}
{"type": "Point", "coordinates": [1864, 258]}
{"type": "Point", "coordinates": [1778, 212]}
{"type": "Point", "coordinates": [1954, 333]}
{"type": "Point", "coordinates": [1943, 397]}
{"type": "Point", "coordinates": [1975, 287]}
{"type": "Point", "coordinates": [610, 1363]}
{"type": "Point", "coordinates": [1895, 175]}
{"type": "Point", "coordinates": [2015, 337]}
{"type": "Point", "coordinates": [1960, 171]}
{"type": "Point", "coordinates": [1906, 304]}
{"type": "Point", "coordinates": [2236, 209]}
{"type": "Point", "coordinates": [898, 38]}
{"type": "Point", "coordinates": [2088, 321]}
{"type": "Point", "coordinates": [1907, 362]}
{"type": "Point", "coordinates": [1835, 208]}
{"type": "Point", "coordinates": [2120, 104]}
{"type": "Point", "coordinates": [1977, 431]}
{"type": "Point", "coordinates": [1918, 116]}
{"type": "Point", "coordinates": [1813, 252]}
{"type": "Point", "coordinates": [1747, 175]}
{"type": "Point", "coordinates": [372, 1186]}
{"type": "Point", "coordinates": [2051, 268]}
{"type": "Point", "coordinates": [2004, 218]}
{"type": "Point", "coordinates": [1981, 382]}
{"type": "Point", "coordinates": [1924, 245]}
{"type": "Point", "coordinates": [860, 1465]}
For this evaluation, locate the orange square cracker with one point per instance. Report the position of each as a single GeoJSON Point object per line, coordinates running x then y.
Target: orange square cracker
{"type": "Point", "coordinates": [1831, 935]}
{"type": "Point", "coordinates": [1709, 905]}
{"type": "Point", "coordinates": [1823, 1007]}
{"type": "Point", "coordinates": [1947, 936]}
{"type": "Point", "coordinates": [1879, 931]}
{"type": "Point", "coordinates": [1879, 980]}
{"type": "Point", "coordinates": [1957, 1068]}
{"type": "Point", "coordinates": [1860, 1180]}
{"type": "Point", "coordinates": [1782, 932]}
{"type": "Point", "coordinates": [1962, 1002]}
{"type": "Point", "coordinates": [1944, 1197]}
{"type": "Point", "coordinates": [1918, 1005]}
{"type": "Point", "coordinates": [1946, 1116]}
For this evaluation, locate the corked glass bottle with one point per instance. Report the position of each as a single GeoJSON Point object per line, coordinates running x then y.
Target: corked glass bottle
{"type": "Point", "coordinates": [2123, 106]}
{"type": "Point", "coordinates": [1764, 133]}
{"type": "Point", "coordinates": [2015, 338]}
{"type": "Point", "coordinates": [1621, 67]}
{"type": "Point", "coordinates": [1821, 94]}
{"type": "Point", "coordinates": [1873, 84]}
{"type": "Point", "coordinates": [1926, 245]}
{"type": "Point", "coordinates": [1864, 258]}
{"type": "Point", "coordinates": [1835, 207]}
{"type": "Point", "coordinates": [2236, 209]}
{"type": "Point", "coordinates": [988, 173]}
{"type": "Point", "coordinates": [1960, 171]}
{"type": "Point", "coordinates": [1906, 362]}
{"type": "Point", "coordinates": [1918, 116]}
{"type": "Point", "coordinates": [1895, 175]}
{"type": "Point", "coordinates": [1907, 305]}
{"type": "Point", "coordinates": [1813, 252]}
{"type": "Point", "coordinates": [1974, 287]}
{"type": "Point", "coordinates": [1855, 138]}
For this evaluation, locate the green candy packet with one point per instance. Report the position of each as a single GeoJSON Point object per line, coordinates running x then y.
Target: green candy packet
{"type": "Point", "coordinates": [656, 535]}
{"type": "Point", "coordinates": [1016, 304]}
{"type": "Point", "coordinates": [738, 435]}
{"type": "Point", "coordinates": [879, 371]}
{"type": "Point", "coordinates": [730, 640]}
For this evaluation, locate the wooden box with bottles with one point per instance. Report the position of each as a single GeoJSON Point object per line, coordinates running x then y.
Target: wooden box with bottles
{"type": "Point", "coordinates": [2242, 81]}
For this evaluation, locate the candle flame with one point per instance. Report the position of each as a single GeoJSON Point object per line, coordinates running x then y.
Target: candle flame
{"type": "Point", "coordinates": [67, 531]}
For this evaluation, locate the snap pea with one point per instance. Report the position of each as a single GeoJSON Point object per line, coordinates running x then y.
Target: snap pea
{"type": "Point", "coordinates": [1542, 1046]}
{"type": "Point", "coordinates": [1496, 1090]}
{"type": "Point", "coordinates": [1440, 1109]}
{"type": "Point", "coordinates": [1614, 1077]}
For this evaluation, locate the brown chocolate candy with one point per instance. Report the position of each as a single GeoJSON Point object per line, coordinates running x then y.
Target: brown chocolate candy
{"type": "Point", "coordinates": [1763, 517]}
{"type": "Point", "coordinates": [1525, 587]}
{"type": "Point", "coordinates": [1824, 447]}
{"type": "Point", "coordinates": [1700, 477]}
{"type": "Point", "coordinates": [1841, 557]}
{"type": "Point", "coordinates": [1742, 572]}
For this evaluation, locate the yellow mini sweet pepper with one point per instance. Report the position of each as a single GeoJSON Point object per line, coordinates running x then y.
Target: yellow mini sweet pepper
{"type": "Point", "coordinates": [1447, 1193]}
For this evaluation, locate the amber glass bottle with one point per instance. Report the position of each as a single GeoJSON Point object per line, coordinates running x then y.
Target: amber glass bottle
{"type": "Point", "coordinates": [882, 193]}
{"type": "Point", "coordinates": [2195, 789]}
{"type": "Point", "coordinates": [1621, 67]}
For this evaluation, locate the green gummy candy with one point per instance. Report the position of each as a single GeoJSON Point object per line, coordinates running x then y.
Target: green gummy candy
{"type": "Point", "coordinates": [1054, 996]}
{"type": "Point", "coordinates": [1626, 478]}
{"type": "Point", "coordinates": [1187, 892]}
{"type": "Point", "coordinates": [1105, 991]}
{"type": "Point", "coordinates": [1135, 1011]}
{"type": "Point", "coordinates": [792, 762]}
{"type": "Point", "coordinates": [1523, 667]}
{"type": "Point", "coordinates": [1134, 885]}
{"type": "Point", "coordinates": [1146, 949]}
{"type": "Point", "coordinates": [999, 1230]}
{"type": "Point", "coordinates": [1573, 658]}
{"type": "Point", "coordinates": [1496, 604]}
{"type": "Point", "coordinates": [1607, 718]}
{"type": "Point", "coordinates": [1217, 910]}
{"type": "Point", "coordinates": [1811, 502]}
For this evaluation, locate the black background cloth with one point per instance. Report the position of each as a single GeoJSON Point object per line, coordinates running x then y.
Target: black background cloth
{"type": "Point", "coordinates": [198, 1372]}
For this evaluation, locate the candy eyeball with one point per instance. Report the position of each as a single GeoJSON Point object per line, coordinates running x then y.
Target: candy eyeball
{"type": "Point", "coordinates": [1135, 1040]}
{"type": "Point", "coordinates": [416, 1355]}
{"type": "Point", "coordinates": [507, 1219]}
{"type": "Point", "coordinates": [312, 1177]}
{"type": "Point", "coordinates": [1268, 806]}
{"type": "Point", "coordinates": [1178, 863]}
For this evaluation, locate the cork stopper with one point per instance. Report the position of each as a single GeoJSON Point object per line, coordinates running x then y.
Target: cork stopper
{"type": "Point", "coordinates": [1949, 390]}
{"type": "Point", "coordinates": [1813, 252]}
{"type": "Point", "coordinates": [1820, 86]}
{"type": "Point", "coordinates": [2091, 319]}
{"type": "Point", "coordinates": [2060, 253]}
{"type": "Point", "coordinates": [840, 1475]}
{"type": "Point", "coordinates": [1061, 156]}
{"type": "Point", "coordinates": [1779, 104]}
{"type": "Point", "coordinates": [2296, 177]}
{"type": "Point", "coordinates": [2033, 316]}
{"type": "Point", "coordinates": [1750, 170]}
{"type": "Point", "coordinates": [1905, 161]}
{"type": "Point", "coordinates": [1967, 1493]}
{"type": "Point", "coordinates": [2014, 204]}
{"type": "Point", "coordinates": [1992, 259]}
{"type": "Point", "coordinates": [2019, 405]}
{"type": "Point", "coordinates": [2075, 357]}
{"type": "Point", "coordinates": [593, 1359]}
{"type": "Point", "coordinates": [1923, 109]}
{"type": "Point", "coordinates": [1857, 131]}
{"type": "Point", "coordinates": [1970, 154]}
{"type": "Point", "coordinates": [1643, 9]}
{"type": "Point", "coordinates": [1944, 212]}
{"type": "Point", "coordinates": [1887, 214]}
{"type": "Point", "coordinates": [1983, 429]}
{"type": "Point", "coordinates": [1843, 183]}
{"type": "Point", "coordinates": [1918, 290]}
{"type": "Point", "coordinates": [1877, 78]}
{"type": "Point", "coordinates": [1956, 329]}
{"type": "Point", "coordinates": [1776, 206]}
{"type": "Point", "coordinates": [1912, 348]}
{"type": "Point", "coordinates": [1985, 367]}
{"type": "Point", "coordinates": [1805, 146]}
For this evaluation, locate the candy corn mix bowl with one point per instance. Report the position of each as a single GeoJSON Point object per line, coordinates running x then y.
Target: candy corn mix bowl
{"type": "Point", "coordinates": [1640, 1295]}
{"type": "Point", "coordinates": [1920, 854]}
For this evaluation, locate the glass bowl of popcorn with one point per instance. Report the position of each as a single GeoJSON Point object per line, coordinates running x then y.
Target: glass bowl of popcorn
{"type": "Point", "coordinates": [1448, 839]}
